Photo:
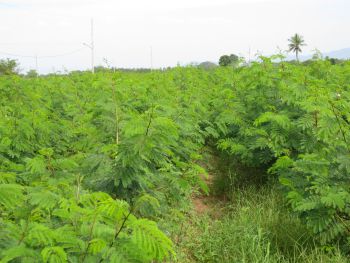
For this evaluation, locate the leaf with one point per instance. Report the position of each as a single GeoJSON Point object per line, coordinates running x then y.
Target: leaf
{"type": "Point", "coordinates": [96, 245]}
{"type": "Point", "coordinates": [15, 252]}
{"type": "Point", "coordinates": [146, 205]}
{"type": "Point", "coordinates": [335, 200]}
{"type": "Point", "coordinates": [54, 255]}
{"type": "Point", "coordinates": [41, 235]}
{"type": "Point", "coordinates": [36, 165]}
{"type": "Point", "coordinates": [46, 200]}
{"type": "Point", "coordinates": [11, 195]}
{"type": "Point", "coordinates": [151, 240]}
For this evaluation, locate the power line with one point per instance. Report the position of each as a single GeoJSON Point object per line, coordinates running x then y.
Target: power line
{"type": "Point", "coordinates": [16, 55]}
{"type": "Point", "coordinates": [151, 57]}
{"type": "Point", "coordinates": [37, 43]}
{"type": "Point", "coordinates": [92, 46]}
{"type": "Point", "coordinates": [36, 57]}
{"type": "Point", "coordinates": [63, 54]}
{"type": "Point", "coordinates": [40, 57]}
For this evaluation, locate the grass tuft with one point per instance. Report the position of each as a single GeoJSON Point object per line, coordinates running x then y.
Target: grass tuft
{"type": "Point", "coordinates": [255, 227]}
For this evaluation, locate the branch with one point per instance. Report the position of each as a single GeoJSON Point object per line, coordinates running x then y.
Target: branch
{"type": "Point", "coordinates": [90, 236]}
{"type": "Point", "coordinates": [340, 126]}
{"type": "Point", "coordinates": [115, 113]}
{"type": "Point", "coordinates": [118, 232]}
{"type": "Point", "coordinates": [150, 121]}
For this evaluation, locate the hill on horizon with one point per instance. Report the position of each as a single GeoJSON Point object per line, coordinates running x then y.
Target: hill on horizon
{"type": "Point", "coordinates": [339, 54]}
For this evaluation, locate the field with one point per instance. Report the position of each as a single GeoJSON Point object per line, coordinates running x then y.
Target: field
{"type": "Point", "coordinates": [246, 164]}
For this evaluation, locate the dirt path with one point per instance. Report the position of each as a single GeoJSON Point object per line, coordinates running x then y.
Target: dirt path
{"type": "Point", "coordinates": [200, 204]}
{"type": "Point", "coordinates": [200, 200]}
{"type": "Point", "coordinates": [207, 204]}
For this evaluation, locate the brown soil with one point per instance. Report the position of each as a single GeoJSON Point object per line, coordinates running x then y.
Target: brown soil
{"type": "Point", "coordinates": [199, 204]}
{"type": "Point", "coordinates": [207, 204]}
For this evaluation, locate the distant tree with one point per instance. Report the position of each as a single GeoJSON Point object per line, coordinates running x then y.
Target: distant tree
{"type": "Point", "coordinates": [224, 60]}
{"type": "Point", "coordinates": [8, 66]}
{"type": "Point", "coordinates": [306, 62]}
{"type": "Point", "coordinates": [227, 60]}
{"type": "Point", "coordinates": [317, 55]}
{"type": "Point", "coordinates": [101, 68]}
{"type": "Point", "coordinates": [334, 61]}
{"type": "Point", "coordinates": [295, 44]}
{"type": "Point", "coordinates": [32, 73]}
{"type": "Point", "coordinates": [207, 65]}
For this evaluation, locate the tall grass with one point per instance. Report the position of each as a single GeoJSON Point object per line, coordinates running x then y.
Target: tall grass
{"type": "Point", "coordinates": [255, 227]}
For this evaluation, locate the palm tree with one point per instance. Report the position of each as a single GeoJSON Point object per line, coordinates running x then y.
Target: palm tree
{"type": "Point", "coordinates": [295, 44]}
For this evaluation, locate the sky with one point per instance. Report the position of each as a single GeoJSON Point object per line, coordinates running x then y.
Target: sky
{"type": "Point", "coordinates": [129, 33]}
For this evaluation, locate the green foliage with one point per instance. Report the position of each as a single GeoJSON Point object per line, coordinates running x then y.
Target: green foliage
{"type": "Point", "coordinates": [63, 135]}
{"type": "Point", "coordinates": [293, 120]}
{"type": "Point", "coordinates": [32, 73]}
{"type": "Point", "coordinates": [227, 60]}
{"type": "Point", "coordinates": [64, 225]}
{"type": "Point", "coordinates": [8, 67]}
{"type": "Point", "coordinates": [254, 227]}
{"type": "Point", "coordinates": [76, 150]}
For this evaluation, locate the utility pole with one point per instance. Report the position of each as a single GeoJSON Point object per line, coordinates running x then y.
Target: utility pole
{"type": "Point", "coordinates": [91, 46]}
{"type": "Point", "coordinates": [151, 57]}
{"type": "Point", "coordinates": [249, 56]}
{"type": "Point", "coordinates": [36, 64]}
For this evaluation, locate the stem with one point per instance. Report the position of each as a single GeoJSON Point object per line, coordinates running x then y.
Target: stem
{"type": "Point", "coordinates": [316, 118]}
{"type": "Point", "coordinates": [23, 235]}
{"type": "Point", "coordinates": [340, 127]}
{"type": "Point", "coordinates": [117, 232]}
{"type": "Point", "coordinates": [120, 229]}
{"type": "Point", "coordinates": [90, 236]}
{"type": "Point", "coordinates": [49, 165]}
{"type": "Point", "coordinates": [150, 121]}
{"type": "Point", "coordinates": [77, 194]}
{"type": "Point", "coordinates": [343, 222]}
{"type": "Point", "coordinates": [116, 115]}
{"type": "Point", "coordinates": [117, 124]}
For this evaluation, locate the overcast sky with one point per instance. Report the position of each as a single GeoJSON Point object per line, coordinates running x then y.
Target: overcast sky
{"type": "Point", "coordinates": [179, 31]}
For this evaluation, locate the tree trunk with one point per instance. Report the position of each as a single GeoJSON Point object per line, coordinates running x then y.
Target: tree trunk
{"type": "Point", "coordinates": [297, 55]}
